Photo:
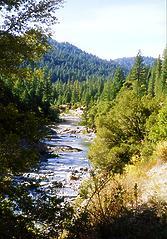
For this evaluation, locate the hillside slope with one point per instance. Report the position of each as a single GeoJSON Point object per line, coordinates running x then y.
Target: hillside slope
{"type": "Point", "coordinates": [66, 62]}
{"type": "Point", "coordinates": [128, 62]}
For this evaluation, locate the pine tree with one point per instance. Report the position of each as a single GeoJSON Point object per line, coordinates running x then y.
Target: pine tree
{"type": "Point", "coordinates": [158, 80]}
{"type": "Point", "coordinates": [138, 76]}
{"type": "Point", "coordinates": [151, 81]}
{"type": "Point", "coordinates": [118, 81]}
{"type": "Point", "coordinates": [164, 72]}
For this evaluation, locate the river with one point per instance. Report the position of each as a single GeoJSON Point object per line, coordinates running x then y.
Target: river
{"type": "Point", "coordinates": [68, 164]}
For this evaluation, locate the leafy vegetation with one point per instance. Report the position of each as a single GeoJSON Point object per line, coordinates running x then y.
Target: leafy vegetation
{"type": "Point", "coordinates": [116, 202]}
{"type": "Point", "coordinates": [126, 108]}
{"type": "Point", "coordinates": [132, 121]}
{"type": "Point", "coordinates": [25, 106]}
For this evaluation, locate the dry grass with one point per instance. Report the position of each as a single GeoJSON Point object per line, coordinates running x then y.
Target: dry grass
{"type": "Point", "coordinates": [161, 152]}
{"type": "Point", "coordinates": [120, 205]}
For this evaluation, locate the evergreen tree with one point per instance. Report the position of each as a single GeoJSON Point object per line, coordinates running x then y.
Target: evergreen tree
{"type": "Point", "coordinates": [108, 93]}
{"type": "Point", "coordinates": [138, 76]}
{"type": "Point", "coordinates": [164, 72]}
{"type": "Point", "coordinates": [158, 80]}
{"type": "Point", "coordinates": [151, 81]}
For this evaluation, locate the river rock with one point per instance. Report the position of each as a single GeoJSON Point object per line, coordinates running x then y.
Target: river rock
{"type": "Point", "coordinates": [85, 169]}
{"type": "Point", "coordinates": [62, 148]}
{"type": "Point", "coordinates": [70, 168]}
{"type": "Point", "coordinates": [74, 177]}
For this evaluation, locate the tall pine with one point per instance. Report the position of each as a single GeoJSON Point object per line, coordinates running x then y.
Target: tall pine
{"type": "Point", "coordinates": [138, 76]}
{"type": "Point", "coordinates": [158, 80]}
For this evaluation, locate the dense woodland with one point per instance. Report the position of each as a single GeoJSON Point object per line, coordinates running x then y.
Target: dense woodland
{"type": "Point", "coordinates": [125, 106]}
{"type": "Point", "coordinates": [132, 122]}
{"type": "Point", "coordinates": [66, 62]}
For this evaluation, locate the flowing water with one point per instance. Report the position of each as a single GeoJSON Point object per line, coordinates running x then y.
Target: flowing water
{"type": "Point", "coordinates": [70, 166]}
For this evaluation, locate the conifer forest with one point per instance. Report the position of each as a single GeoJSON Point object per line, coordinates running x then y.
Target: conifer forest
{"type": "Point", "coordinates": [123, 104]}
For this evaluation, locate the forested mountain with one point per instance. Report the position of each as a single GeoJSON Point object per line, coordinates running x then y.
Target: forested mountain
{"type": "Point", "coordinates": [66, 62]}
{"type": "Point", "coordinates": [128, 113]}
{"type": "Point", "coordinates": [128, 62]}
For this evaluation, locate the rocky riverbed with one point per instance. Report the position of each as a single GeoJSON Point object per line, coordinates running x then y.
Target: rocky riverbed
{"type": "Point", "coordinates": [67, 164]}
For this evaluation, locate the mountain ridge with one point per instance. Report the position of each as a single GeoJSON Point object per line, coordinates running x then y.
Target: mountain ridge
{"type": "Point", "coordinates": [65, 61]}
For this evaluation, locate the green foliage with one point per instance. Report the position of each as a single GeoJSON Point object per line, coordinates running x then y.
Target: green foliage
{"type": "Point", "coordinates": [158, 77]}
{"type": "Point", "coordinates": [20, 132]}
{"type": "Point", "coordinates": [75, 92]}
{"type": "Point", "coordinates": [130, 127]}
{"type": "Point", "coordinates": [164, 72]}
{"type": "Point", "coordinates": [138, 76]}
{"type": "Point", "coordinates": [27, 15]}
{"type": "Point", "coordinates": [134, 119]}
{"type": "Point", "coordinates": [158, 130]}
{"type": "Point", "coordinates": [120, 133]}
{"type": "Point", "coordinates": [112, 87]}
{"type": "Point", "coordinates": [14, 50]}
{"type": "Point", "coordinates": [158, 84]}
{"type": "Point", "coordinates": [114, 106]}
{"type": "Point", "coordinates": [34, 93]}
{"type": "Point", "coordinates": [25, 103]}
{"type": "Point", "coordinates": [23, 24]}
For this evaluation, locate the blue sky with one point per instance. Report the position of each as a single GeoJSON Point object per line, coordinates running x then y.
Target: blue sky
{"type": "Point", "coordinates": [113, 28]}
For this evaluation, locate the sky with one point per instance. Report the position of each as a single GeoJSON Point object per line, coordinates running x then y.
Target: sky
{"type": "Point", "coordinates": [113, 29]}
